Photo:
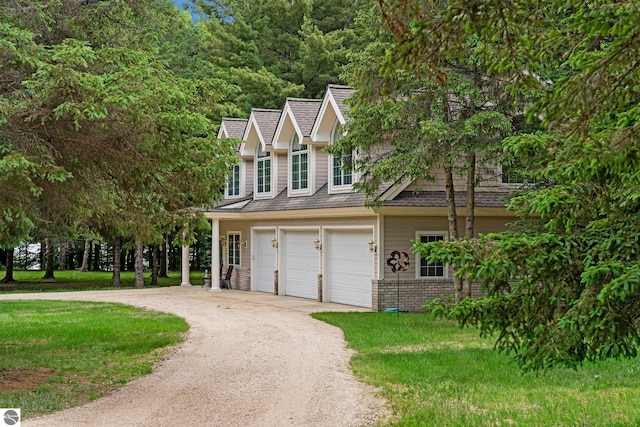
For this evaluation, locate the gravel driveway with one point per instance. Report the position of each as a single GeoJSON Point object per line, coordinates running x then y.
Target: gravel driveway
{"type": "Point", "coordinates": [249, 359]}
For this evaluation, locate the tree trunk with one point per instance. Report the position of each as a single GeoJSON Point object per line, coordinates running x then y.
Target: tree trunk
{"type": "Point", "coordinates": [96, 256]}
{"type": "Point", "coordinates": [63, 255]}
{"type": "Point", "coordinates": [43, 255]}
{"type": "Point", "coordinates": [85, 256]}
{"type": "Point", "coordinates": [117, 251]}
{"type": "Point", "coordinates": [8, 278]}
{"type": "Point", "coordinates": [138, 265]}
{"type": "Point", "coordinates": [155, 261]}
{"type": "Point", "coordinates": [471, 210]}
{"type": "Point", "coordinates": [452, 217]}
{"type": "Point", "coordinates": [163, 259]}
{"type": "Point", "coordinates": [49, 259]}
{"type": "Point", "coordinates": [131, 260]}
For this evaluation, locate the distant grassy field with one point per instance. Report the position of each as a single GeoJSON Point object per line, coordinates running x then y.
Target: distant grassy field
{"type": "Point", "coordinates": [32, 281]}
{"type": "Point", "coordinates": [435, 374]}
{"type": "Point", "coordinates": [58, 354]}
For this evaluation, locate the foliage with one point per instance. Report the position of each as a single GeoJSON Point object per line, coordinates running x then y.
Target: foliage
{"type": "Point", "coordinates": [103, 120]}
{"type": "Point", "coordinates": [277, 49]}
{"type": "Point", "coordinates": [431, 372]}
{"type": "Point", "coordinates": [563, 287]}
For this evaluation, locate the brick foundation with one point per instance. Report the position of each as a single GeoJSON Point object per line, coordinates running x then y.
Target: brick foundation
{"type": "Point", "coordinates": [411, 295]}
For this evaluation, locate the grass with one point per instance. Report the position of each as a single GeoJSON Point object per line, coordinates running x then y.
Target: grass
{"type": "Point", "coordinates": [55, 355]}
{"type": "Point", "coordinates": [434, 374]}
{"type": "Point", "coordinates": [32, 281]}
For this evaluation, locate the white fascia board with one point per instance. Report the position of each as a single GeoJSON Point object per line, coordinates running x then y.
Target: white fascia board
{"type": "Point", "coordinates": [316, 125]}
{"type": "Point", "coordinates": [392, 192]}
{"type": "Point", "coordinates": [283, 144]}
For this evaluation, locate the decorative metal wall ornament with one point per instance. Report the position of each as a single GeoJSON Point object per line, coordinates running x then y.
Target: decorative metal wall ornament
{"type": "Point", "coordinates": [398, 261]}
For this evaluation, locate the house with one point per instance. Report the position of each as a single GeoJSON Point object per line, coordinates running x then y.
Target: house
{"type": "Point", "coordinates": [291, 223]}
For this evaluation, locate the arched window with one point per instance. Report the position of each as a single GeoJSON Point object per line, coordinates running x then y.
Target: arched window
{"type": "Point", "coordinates": [263, 171]}
{"type": "Point", "coordinates": [299, 164]}
{"type": "Point", "coordinates": [341, 176]}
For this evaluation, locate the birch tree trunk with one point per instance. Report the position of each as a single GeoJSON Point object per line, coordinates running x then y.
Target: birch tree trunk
{"type": "Point", "coordinates": [452, 217]}
{"type": "Point", "coordinates": [138, 265]}
{"type": "Point", "coordinates": [117, 251]}
{"type": "Point", "coordinates": [85, 256]}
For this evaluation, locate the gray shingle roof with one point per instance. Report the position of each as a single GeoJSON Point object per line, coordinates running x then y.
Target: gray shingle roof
{"type": "Point", "coordinates": [340, 94]}
{"type": "Point", "coordinates": [323, 200]}
{"type": "Point", "coordinates": [439, 199]}
{"type": "Point", "coordinates": [235, 127]}
{"type": "Point", "coordinates": [266, 122]}
{"type": "Point", "coordinates": [305, 112]}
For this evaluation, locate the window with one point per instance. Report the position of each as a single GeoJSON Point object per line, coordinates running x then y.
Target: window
{"type": "Point", "coordinates": [428, 269]}
{"type": "Point", "coordinates": [299, 164]}
{"type": "Point", "coordinates": [514, 174]}
{"type": "Point", "coordinates": [233, 251]}
{"type": "Point", "coordinates": [341, 177]}
{"type": "Point", "coordinates": [233, 181]}
{"type": "Point", "coordinates": [263, 174]}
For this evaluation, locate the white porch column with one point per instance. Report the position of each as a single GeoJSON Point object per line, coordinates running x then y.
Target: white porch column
{"type": "Point", "coordinates": [185, 266]}
{"type": "Point", "coordinates": [215, 255]}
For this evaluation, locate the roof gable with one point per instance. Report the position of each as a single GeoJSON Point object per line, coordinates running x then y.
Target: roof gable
{"type": "Point", "coordinates": [259, 130]}
{"type": "Point", "coordinates": [298, 115]}
{"type": "Point", "coordinates": [333, 109]}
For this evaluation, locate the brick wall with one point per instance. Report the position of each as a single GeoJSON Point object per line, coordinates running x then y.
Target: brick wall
{"type": "Point", "coordinates": [241, 278]}
{"type": "Point", "coordinates": [411, 295]}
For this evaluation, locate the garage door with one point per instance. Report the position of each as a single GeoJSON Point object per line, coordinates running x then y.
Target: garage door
{"type": "Point", "coordinates": [349, 267]}
{"type": "Point", "coordinates": [264, 259]}
{"type": "Point", "coordinates": [300, 263]}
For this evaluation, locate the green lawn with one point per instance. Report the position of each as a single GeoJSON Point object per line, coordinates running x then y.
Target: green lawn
{"type": "Point", "coordinates": [434, 374]}
{"type": "Point", "coordinates": [58, 354]}
{"type": "Point", "coordinates": [32, 281]}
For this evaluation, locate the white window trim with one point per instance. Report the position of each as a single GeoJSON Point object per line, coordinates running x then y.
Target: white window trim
{"type": "Point", "coordinates": [240, 183]}
{"type": "Point", "coordinates": [265, 194]}
{"type": "Point", "coordinates": [343, 188]}
{"type": "Point", "coordinates": [228, 251]}
{"type": "Point", "coordinates": [418, 256]}
{"type": "Point", "coordinates": [301, 191]}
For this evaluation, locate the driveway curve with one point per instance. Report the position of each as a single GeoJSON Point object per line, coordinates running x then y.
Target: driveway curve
{"type": "Point", "coordinates": [249, 359]}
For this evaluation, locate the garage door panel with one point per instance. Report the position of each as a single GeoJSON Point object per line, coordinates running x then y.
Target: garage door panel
{"type": "Point", "coordinates": [301, 260]}
{"type": "Point", "coordinates": [265, 261]}
{"type": "Point", "coordinates": [349, 267]}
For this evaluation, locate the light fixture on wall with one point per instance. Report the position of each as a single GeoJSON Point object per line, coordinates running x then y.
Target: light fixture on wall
{"type": "Point", "coordinates": [243, 243]}
{"type": "Point", "coordinates": [223, 241]}
{"type": "Point", "coordinates": [318, 244]}
{"type": "Point", "coordinates": [274, 243]}
{"type": "Point", "coordinates": [372, 246]}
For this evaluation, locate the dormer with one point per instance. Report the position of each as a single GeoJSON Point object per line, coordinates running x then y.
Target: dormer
{"type": "Point", "coordinates": [236, 180]}
{"type": "Point", "coordinates": [258, 138]}
{"type": "Point", "coordinates": [327, 129]}
{"type": "Point", "coordinates": [293, 137]}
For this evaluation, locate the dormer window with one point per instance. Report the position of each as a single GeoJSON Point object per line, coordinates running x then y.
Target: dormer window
{"type": "Point", "coordinates": [263, 171]}
{"type": "Point", "coordinates": [299, 156]}
{"type": "Point", "coordinates": [233, 181]}
{"type": "Point", "coordinates": [341, 177]}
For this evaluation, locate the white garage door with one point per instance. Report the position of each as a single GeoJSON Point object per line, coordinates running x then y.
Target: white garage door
{"type": "Point", "coordinates": [349, 267]}
{"type": "Point", "coordinates": [300, 263]}
{"type": "Point", "coordinates": [264, 259]}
